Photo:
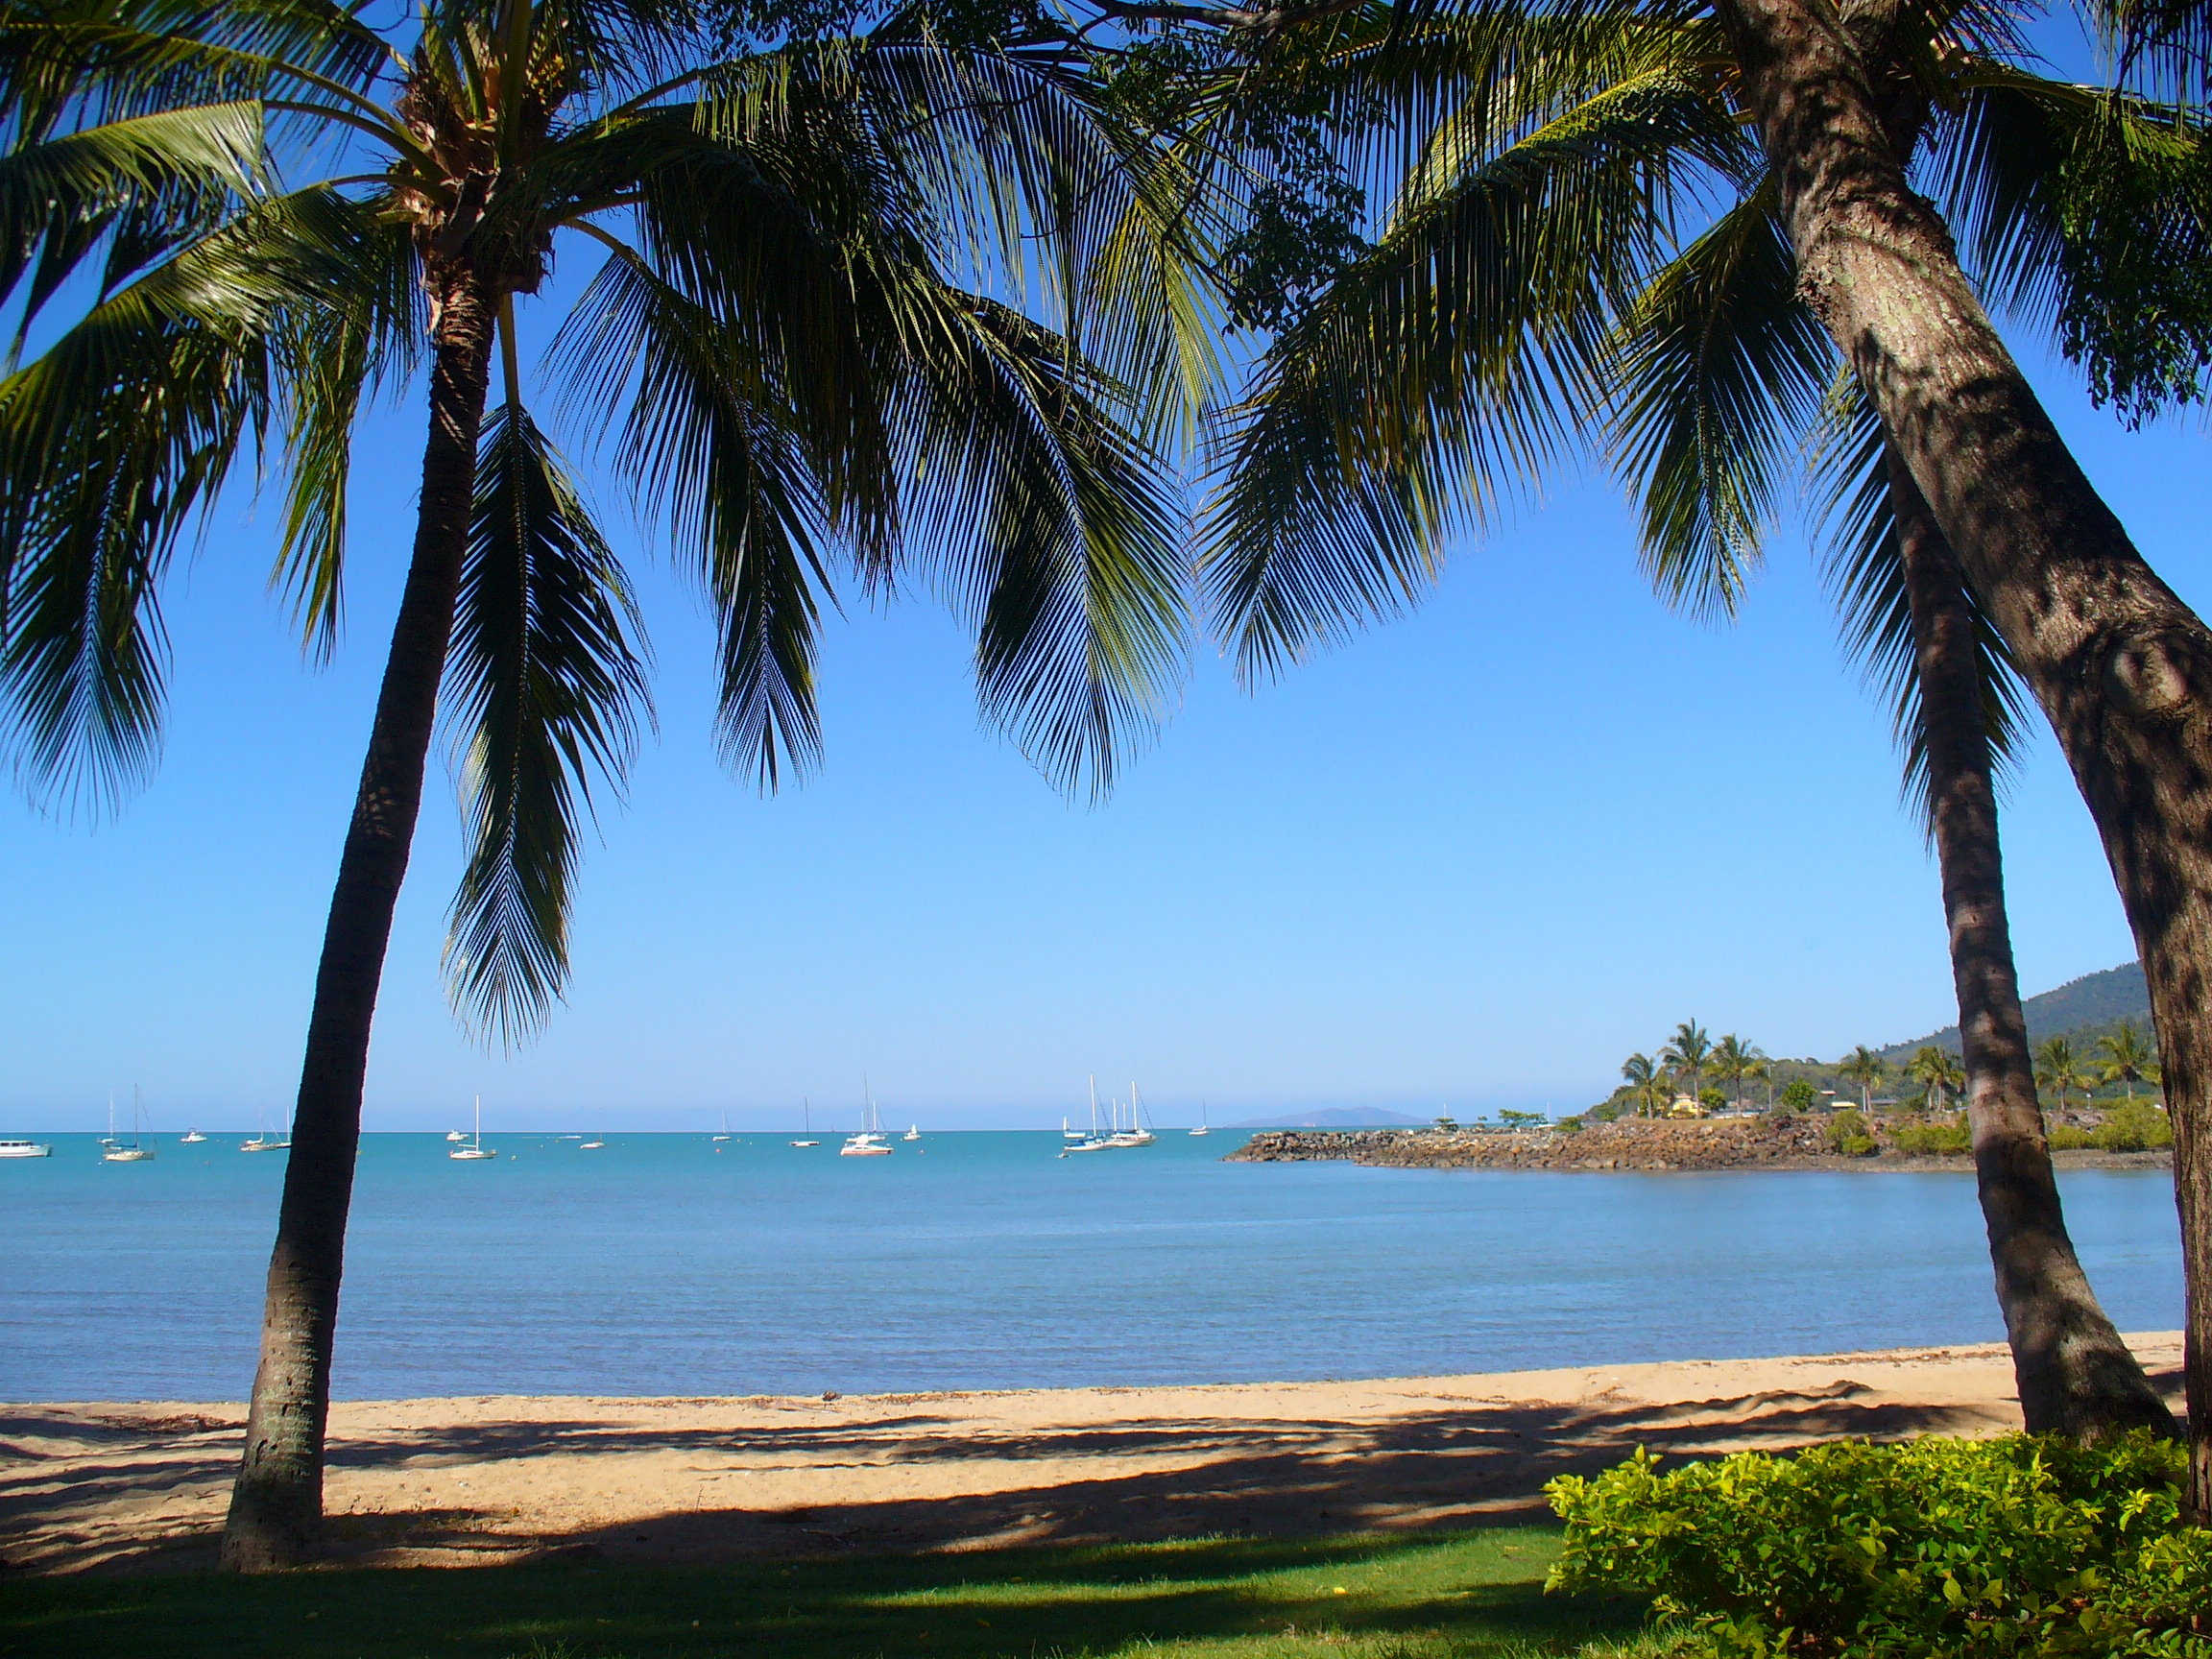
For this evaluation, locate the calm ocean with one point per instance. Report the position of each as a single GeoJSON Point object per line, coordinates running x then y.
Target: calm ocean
{"type": "Point", "coordinates": [660, 1265]}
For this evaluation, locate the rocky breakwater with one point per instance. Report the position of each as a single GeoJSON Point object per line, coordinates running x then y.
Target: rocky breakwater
{"type": "Point", "coordinates": [1628, 1143]}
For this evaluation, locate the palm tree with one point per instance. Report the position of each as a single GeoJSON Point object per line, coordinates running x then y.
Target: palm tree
{"type": "Point", "coordinates": [1689, 1054]}
{"type": "Point", "coordinates": [2126, 1058]}
{"type": "Point", "coordinates": [1735, 1059]}
{"type": "Point", "coordinates": [1864, 1067]}
{"type": "Point", "coordinates": [791, 342]}
{"type": "Point", "coordinates": [1525, 288]}
{"type": "Point", "coordinates": [1646, 1080]}
{"type": "Point", "coordinates": [2059, 1067]}
{"type": "Point", "coordinates": [1937, 1072]}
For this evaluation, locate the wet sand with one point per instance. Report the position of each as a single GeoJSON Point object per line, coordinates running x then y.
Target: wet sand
{"type": "Point", "coordinates": [492, 1479]}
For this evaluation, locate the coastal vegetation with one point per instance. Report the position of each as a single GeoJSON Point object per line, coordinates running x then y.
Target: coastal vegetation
{"type": "Point", "coordinates": [2023, 1545]}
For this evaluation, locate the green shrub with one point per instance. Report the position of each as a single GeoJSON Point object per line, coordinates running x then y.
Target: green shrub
{"type": "Point", "coordinates": [1945, 1140]}
{"type": "Point", "coordinates": [1847, 1134]}
{"type": "Point", "coordinates": [2134, 1127]}
{"type": "Point", "coordinates": [1799, 1096]}
{"type": "Point", "coordinates": [1569, 1126]}
{"type": "Point", "coordinates": [2065, 1137]}
{"type": "Point", "coordinates": [1974, 1548]}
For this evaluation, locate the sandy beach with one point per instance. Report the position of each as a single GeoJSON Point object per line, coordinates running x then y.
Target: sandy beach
{"type": "Point", "coordinates": [471, 1482]}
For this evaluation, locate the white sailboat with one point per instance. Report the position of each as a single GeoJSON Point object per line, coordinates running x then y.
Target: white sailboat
{"type": "Point", "coordinates": [475, 1148]}
{"type": "Point", "coordinates": [130, 1151]}
{"type": "Point", "coordinates": [263, 1140]}
{"type": "Point", "coordinates": [1092, 1141]}
{"type": "Point", "coordinates": [871, 1142]}
{"type": "Point", "coordinates": [1204, 1128]}
{"type": "Point", "coordinates": [807, 1117]}
{"type": "Point", "coordinates": [725, 1135]}
{"type": "Point", "coordinates": [1135, 1133]}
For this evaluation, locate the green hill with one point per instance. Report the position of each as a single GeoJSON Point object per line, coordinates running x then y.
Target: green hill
{"type": "Point", "coordinates": [2080, 1010]}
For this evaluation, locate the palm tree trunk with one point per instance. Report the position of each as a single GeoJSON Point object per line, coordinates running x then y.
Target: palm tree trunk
{"type": "Point", "coordinates": [2075, 1375]}
{"type": "Point", "coordinates": [2122, 668]}
{"type": "Point", "coordinates": [276, 1501]}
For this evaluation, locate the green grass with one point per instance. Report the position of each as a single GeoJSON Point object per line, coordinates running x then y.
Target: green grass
{"type": "Point", "coordinates": [1460, 1596]}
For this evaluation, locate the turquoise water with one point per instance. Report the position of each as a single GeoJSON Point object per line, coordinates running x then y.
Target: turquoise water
{"type": "Point", "coordinates": [663, 1267]}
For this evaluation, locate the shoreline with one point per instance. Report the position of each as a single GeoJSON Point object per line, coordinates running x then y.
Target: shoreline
{"type": "Point", "coordinates": [1632, 1147]}
{"type": "Point", "coordinates": [492, 1479]}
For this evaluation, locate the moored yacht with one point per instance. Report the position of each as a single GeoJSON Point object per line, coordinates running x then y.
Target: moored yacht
{"type": "Point", "coordinates": [190, 1138]}
{"type": "Point", "coordinates": [25, 1149]}
{"type": "Point", "coordinates": [871, 1142]}
{"type": "Point", "coordinates": [475, 1148]}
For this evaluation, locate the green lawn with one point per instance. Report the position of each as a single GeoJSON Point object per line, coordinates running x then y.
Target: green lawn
{"type": "Point", "coordinates": [1462, 1596]}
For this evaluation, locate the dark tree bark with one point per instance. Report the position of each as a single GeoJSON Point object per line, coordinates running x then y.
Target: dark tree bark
{"type": "Point", "coordinates": [2122, 668]}
{"type": "Point", "coordinates": [277, 1502]}
{"type": "Point", "coordinates": [2075, 1375]}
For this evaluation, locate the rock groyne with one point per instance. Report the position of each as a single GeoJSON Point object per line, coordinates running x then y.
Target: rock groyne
{"type": "Point", "coordinates": [1626, 1144]}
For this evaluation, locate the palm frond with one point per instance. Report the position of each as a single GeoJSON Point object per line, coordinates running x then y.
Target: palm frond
{"type": "Point", "coordinates": [545, 689]}
{"type": "Point", "coordinates": [1439, 376]}
{"type": "Point", "coordinates": [1721, 373]}
{"type": "Point", "coordinates": [1865, 572]}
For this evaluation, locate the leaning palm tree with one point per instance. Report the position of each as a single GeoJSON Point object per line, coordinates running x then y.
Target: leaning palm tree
{"type": "Point", "coordinates": [1735, 1059]}
{"type": "Point", "coordinates": [2124, 1057]}
{"type": "Point", "coordinates": [797, 348]}
{"type": "Point", "coordinates": [1528, 289]}
{"type": "Point", "coordinates": [1646, 1081]}
{"type": "Point", "coordinates": [1688, 1055]}
{"type": "Point", "coordinates": [1937, 1072]}
{"type": "Point", "coordinates": [2058, 1069]}
{"type": "Point", "coordinates": [1864, 1067]}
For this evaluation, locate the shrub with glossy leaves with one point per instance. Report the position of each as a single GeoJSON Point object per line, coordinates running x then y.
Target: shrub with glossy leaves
{"type": "Point", "coordinates": [1977, 1548]}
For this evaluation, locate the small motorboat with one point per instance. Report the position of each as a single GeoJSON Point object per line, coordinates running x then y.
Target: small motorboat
{"type": "Point", "coordinates": [190, 1138]}
{"type": "Point", "coordinates": [25, 1149]}
{"type": "Point", "coordinates": [456, 1134]}
{"type": "Point", "coordinates": [592, 1147]}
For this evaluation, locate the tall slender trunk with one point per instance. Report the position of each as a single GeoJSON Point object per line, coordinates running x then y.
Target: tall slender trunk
{"type": "Point", "coordinates": [276, 1501]}
{"type": "Point", "coordinates": [2075, 1375]}
{"type": "Point", "coordinates": [2122, 668]}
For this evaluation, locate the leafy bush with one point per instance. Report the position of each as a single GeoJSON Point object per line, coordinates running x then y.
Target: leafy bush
{"type": "Point", "coordinates": [2134, 1127]}
{"type": "Point", "coordinates": [2065, 1137]}
{"type": "Point", "coordinates": [1847, 1134]}
{"type": "Point", "coordinates": [1975, 1549]}
{"type": "Point", "coordinates": [1945, 1140]}
{"type": "Point", "coordinates": [1798, 1095]}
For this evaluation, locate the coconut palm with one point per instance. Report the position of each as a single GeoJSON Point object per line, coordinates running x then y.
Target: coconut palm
{"type": "Point", "coordinates": [2126, 1058]}
{"type": "Point", "coordinates": [1526, 289]}
{"type": "Point", "coordinates": [1864, 1067]}
{"type": "Point", "coordinates": [1688, 1055]}
{"type": "Point", "coordinates": [1735, 1059]}
{"type": "Point", "coordinates": [1938, 1073]}
{"type": "Point", "coordinates": [2058, 1069]}
{"type": "Point", "coordinates": [1646, 1080]}
{"type": "Point", "coordinates": [793, 347]}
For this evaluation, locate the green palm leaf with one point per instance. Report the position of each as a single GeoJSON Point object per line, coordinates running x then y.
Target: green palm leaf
{"type": "Point", "coordinates": [545, 689]}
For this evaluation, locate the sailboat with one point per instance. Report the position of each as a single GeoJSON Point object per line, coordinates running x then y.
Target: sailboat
{"type": "Point", "coordinates": [116, 1151]}
{"type": "Point", "coordinates": [806, 1108]}
{"type": "Point", "coordinates": [871, 1142]}
{"type": "Point", "coordinates": [263, 1140]}
{"type": "Point", "coordinates": [1204, 1128]}
{"type": "Point", "coordinates": [725, 1135]}
{"type": "Point", "coordinates": [913, 1132]}
{"type": "Point", "coordinates": [1092, 1141]}
{"type": "Point", "coordinates": [475, 1148]}
{"type": "Point", "coordinates": [190, 1138]}
{"type": "Point", "coordinates": [1135, 1134]}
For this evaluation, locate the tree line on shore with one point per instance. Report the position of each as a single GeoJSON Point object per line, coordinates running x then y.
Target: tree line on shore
{"type": "Point", "coordinates": [1688, 1073]}
{"type": "Point", "coordinates": [934, 293]}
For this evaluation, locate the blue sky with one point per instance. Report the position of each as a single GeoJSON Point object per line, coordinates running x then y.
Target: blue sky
{"type": "Point", "coordinates": [1476, 857]}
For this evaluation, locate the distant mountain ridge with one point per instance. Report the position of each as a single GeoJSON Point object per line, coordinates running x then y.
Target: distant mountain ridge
{"type": "Point", "coordinates": [2091, 1005]}
{"type": "Point", "coordinates": [1333, 1118]}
